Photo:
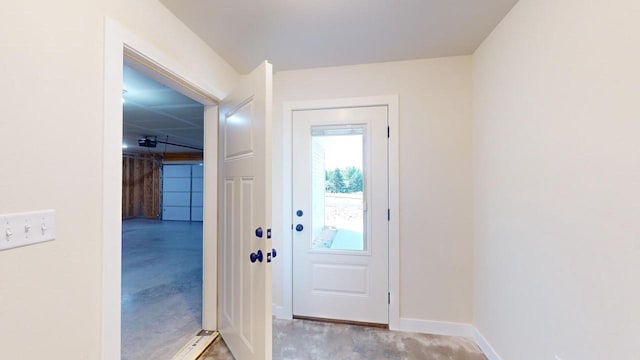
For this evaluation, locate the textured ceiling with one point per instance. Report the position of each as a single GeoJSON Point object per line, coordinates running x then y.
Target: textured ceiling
{"type": "Point", "coordinates": [152, 109]}
{"type": "Point", "coordinates": [297, 34]}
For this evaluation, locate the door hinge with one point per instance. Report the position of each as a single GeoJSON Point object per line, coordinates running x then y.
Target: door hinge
{"type": "Point", "coordinates": [389, 298]}
{"type": "Point", "coordinates": [388, 132]}
{"type": "Point", "coordinates": [388, 214]}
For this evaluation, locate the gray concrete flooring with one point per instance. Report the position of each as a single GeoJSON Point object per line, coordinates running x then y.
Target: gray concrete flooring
{"type": "Point", "coordinates": [310, 340]}
{"type": "Point", "coordinates": [161, 287]}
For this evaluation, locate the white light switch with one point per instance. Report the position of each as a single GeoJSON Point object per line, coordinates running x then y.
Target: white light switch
{"type": "Point", "coordinates": [27, 228]}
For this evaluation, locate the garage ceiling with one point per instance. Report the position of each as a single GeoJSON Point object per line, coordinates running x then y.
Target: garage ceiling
{"type": "Point", "coordinates": [153, 109]}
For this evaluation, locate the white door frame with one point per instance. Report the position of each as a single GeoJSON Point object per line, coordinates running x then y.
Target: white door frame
{"type": "Point", "coordinates": [391, 101]}
{"type": "Point", "coordinates": [120, 43]}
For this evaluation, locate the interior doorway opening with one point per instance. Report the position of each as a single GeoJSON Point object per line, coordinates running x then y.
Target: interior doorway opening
{"type": "Point", "coordinates": [162, 219]}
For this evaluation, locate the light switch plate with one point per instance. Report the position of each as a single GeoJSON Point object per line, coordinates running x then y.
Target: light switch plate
{"type": "Point", "coordinates": [22, 229]}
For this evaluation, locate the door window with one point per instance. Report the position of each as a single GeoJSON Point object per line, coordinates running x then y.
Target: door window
{"type": "Point", "coordinates": [338, 188]}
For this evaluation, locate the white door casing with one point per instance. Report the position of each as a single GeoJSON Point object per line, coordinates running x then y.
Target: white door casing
{"type": "Point", "coordinates": [338, 284]}
{"type": "Point", "coordinates": [119, 43]}
{"type": "Point", "coordinates": [244, 295]}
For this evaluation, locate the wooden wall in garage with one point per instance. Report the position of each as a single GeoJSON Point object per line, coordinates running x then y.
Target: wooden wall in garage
{"type": "Point", "coordinates": [141, 186]}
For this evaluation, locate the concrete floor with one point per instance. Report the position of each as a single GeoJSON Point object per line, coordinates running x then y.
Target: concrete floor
{"type": "Point", "coordinates": [309, 340]}
{"type": "Point", "coordinates": [161, 287]}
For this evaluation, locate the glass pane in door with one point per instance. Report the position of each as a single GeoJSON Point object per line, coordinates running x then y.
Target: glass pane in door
{"type": "Point", "coordinates": [338, 189]}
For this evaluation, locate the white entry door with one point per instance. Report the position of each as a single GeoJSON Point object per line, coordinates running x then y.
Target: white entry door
{"type": "Point", "coordinates": [340, 219]}
{"type": "Point", "coordinates": [244, 278]}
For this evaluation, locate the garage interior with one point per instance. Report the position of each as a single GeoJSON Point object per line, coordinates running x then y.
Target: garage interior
{"type": "Point", "coordinates": [162, 202]}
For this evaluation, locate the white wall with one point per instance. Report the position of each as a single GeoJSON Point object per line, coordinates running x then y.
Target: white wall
{"type": "Point", "coordinates": [557, 181]}
{"type": "Point", "coordinates": [435, 173]}
{"type": "Point", "coordinates": [51, 121]}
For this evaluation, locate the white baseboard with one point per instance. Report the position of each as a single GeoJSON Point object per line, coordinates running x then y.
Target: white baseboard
{"type": "Point", "coordinates": [484, 345]}
{"type": "Point", "coordinates": [436, 327]}
{"type": "Point", "coordinates": [449, 329]}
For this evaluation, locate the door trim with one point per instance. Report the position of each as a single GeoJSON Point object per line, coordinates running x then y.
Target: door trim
{"type": "Point", "coordinates": [285, 311]}
{"type": "Point", "coordinates": [121, 44]}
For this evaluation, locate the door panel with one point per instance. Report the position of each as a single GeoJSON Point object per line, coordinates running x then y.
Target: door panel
{"type": "Point", "coordinates": [197, 213]}
{"type": "Point", "coordinates": [245, 194]}
{"type": "Point", "coordinates": [176, 192]}
{"type": "Point", "coordinates": [182, 192]}
{"type": "Point", "coordinates": [346, 279]}
{"type": "Point", "coordinates": [176, 198]}
{"type": "Point", "coordinates": [238, 132]}
{"type": "Point", "coordinates": [176, 213]}
{"type": "Point", "coordinates": [197, 171]}
{"type": "Point", "coordinates": [197, 195]}
{"type": "Point", "coordinates": [176, 184]}
{"type": "Point", "coordinates": [196, 199]}
{"type": "Point", "coordinates": [340, 241]}
{"type": "Point", "coordinates": [176, 171]}
{"type": "Point", "coordinates": [196, 184]}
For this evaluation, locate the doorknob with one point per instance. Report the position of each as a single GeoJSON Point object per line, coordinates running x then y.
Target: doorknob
{"type": "Point", "coordinates": [256, 256]}
{"type": "Point", "coordinates": [259, 232]}
{"type": "Point", "coordinates": [299, 213]}
{"type": "Point", "coordinates": [299, 227]}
